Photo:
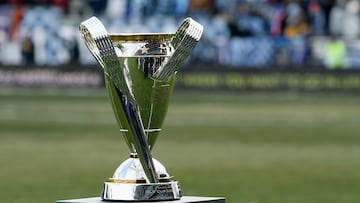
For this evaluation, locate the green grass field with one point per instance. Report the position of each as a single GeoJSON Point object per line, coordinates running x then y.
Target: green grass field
{"type": "Point", "coordinates": [251, 148]}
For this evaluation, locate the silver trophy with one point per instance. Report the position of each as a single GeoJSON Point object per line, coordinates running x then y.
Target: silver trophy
{"type": "Point", "coordinates": [139, 76]}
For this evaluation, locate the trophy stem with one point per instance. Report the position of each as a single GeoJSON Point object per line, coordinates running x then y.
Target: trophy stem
{"type": "Point", "coordinates": [135, 133]}
{"type": "Point", "coordinates": [141, 143]}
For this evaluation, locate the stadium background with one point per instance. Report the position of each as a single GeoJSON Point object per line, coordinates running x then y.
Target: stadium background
{"type": "Point", "coordinates": [266, 109]}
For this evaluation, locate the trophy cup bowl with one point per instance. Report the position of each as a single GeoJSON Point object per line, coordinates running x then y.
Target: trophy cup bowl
{"type": "Point", "coordinates": [139, 72]}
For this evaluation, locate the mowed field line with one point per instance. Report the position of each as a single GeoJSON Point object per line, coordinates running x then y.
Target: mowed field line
{"type": "Point", "coordinates": [265, 115]}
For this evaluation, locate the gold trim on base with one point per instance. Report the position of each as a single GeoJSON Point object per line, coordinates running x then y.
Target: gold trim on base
{"type": "Point", "coordinates": [112, 180]}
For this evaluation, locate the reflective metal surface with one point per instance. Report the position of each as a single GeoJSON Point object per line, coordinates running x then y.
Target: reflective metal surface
{"type": "Point", "coordinates": [130, 177]}
{"type": "Point", "coordinates": [130, 171]}
{"type": "Point", "coordinates": [139, 71]}
{"type": "Point", "coordinates": [141, 192]}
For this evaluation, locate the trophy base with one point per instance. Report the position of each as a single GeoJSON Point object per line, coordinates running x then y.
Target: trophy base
{"type": "Point", "coordinates": [184, 199]}
{"type": "Point", "coordinates": [114, 191]}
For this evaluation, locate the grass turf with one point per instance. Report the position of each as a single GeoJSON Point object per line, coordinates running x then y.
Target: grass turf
{"type": "Point", "coordinates": [251, 148]}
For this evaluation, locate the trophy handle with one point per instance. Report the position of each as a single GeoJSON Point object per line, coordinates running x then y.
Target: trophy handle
{"type": "Point", "coordinates": [100, 45]}
{"type": "Point", "coordinates": [184, 41]}
{"type": "Point", "coordinates": [91, 30]}
{"type": "Point", "coordinates": [98, 42]}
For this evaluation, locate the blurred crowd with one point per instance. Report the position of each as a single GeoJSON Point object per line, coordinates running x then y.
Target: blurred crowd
{"type": "Point", "coordinates": [238, 33]}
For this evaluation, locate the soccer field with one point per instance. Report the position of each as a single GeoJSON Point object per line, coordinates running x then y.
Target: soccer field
{"type": "Point", "coordinates": [248, 147]}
